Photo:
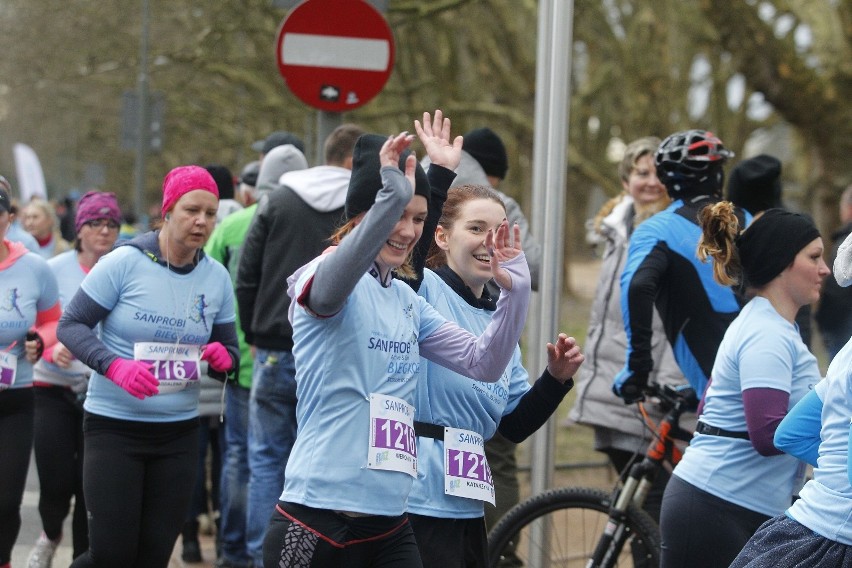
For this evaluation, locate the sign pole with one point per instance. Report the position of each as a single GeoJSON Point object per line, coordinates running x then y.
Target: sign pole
{"type": "Point", "coordinates": [326, 123]}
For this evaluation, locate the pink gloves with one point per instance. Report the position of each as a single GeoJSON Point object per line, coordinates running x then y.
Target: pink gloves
{"type": "Point", "coordinates": [133, 376]}
{"type": "Point", "coordinates": [217, 357]}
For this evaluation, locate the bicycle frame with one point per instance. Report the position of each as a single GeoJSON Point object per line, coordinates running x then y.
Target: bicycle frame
{"type": "Point", "coordinates": [662, 450]}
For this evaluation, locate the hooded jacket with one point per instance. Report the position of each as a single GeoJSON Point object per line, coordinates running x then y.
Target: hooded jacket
{"type": "Point", "coordinates": [291, 227]}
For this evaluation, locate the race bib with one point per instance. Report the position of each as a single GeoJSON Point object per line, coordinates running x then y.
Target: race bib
{"type": "Point", "coordinates": [8, 368]}
{"type": "Point", "coordinates": [392, 441]}
{"type": "Point", "coordinates": [466, 471]}
{"type": "Point", "coordinates": [175, 366]}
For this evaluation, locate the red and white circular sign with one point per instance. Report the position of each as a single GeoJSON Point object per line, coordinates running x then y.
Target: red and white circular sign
{"type": "Point", "coordinates": [335, 55]}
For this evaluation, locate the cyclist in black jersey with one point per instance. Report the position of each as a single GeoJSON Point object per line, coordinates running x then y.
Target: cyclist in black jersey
{"type": "Point", "coordinates": [662, 268]}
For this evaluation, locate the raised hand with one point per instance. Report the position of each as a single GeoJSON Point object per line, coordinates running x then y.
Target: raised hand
{"type": "Point", "coordinates": [435, 136]}
{"type": "Point", "coordinates": [391, 151]}
{"type": "Point", "coordinates": [564, 358]}
{"type": "Point", "coordinates": [502, 248]}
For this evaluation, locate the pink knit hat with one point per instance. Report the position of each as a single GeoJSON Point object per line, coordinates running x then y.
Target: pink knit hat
{"type": "Point", "coordinates": [184, 179]}
{"type": "Point", "coordinates": [96, 205]}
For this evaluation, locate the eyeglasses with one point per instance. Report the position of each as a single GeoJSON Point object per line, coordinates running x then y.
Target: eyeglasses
{"type": "Point", "coordinates": [98, 224]}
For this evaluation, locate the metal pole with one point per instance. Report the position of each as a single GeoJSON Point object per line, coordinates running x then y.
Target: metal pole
{"type": "Point", "coordinates": [142, 115]}
{"type": "Point", "coordinates": [553, 72]}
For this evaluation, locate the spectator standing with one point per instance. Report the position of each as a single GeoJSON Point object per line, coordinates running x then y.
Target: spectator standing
{"type": "Point", "coordinates": [291, 226]}
{"type": "Point", "coordinates": [163, 307]}
{"type": "Point", "coordinates": [619, 429]}
{"type": "Point", "coordinates": [731, 478]}
{"type": "Point", "coordinates": [41, 222]}
{"type": "Point", "coordinates": [61, 381]}
{"type": "Point", "coordinates": [834, 313]}
{"type": "Point", "coordinates": [225, 245]}
{"type": "Point", "coordinates": [27, 327]}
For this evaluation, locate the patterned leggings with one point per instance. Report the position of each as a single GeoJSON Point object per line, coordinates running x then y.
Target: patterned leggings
{"type": "Point", "coordinates": [303, 537]}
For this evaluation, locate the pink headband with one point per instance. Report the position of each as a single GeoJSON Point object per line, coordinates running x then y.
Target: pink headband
{"type": "Point", "coordinates": [184, 179]}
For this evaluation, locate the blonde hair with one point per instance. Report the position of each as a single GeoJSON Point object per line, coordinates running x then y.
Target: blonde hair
{"type": "Point", "coordinates": [719, 229]}
{"type": "Point", "coordinates": [639, 148]}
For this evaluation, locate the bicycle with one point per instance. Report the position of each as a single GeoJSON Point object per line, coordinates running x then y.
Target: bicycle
{"type": "Point", "coordinates": [582, 526]}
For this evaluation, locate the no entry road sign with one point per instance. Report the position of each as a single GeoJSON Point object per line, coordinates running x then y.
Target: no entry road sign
{"type": "Point", "coordinates": [335, 55]}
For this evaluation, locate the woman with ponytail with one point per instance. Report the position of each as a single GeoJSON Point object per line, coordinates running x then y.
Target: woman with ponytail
{"type": "Point", "coordinates": [732, 478]}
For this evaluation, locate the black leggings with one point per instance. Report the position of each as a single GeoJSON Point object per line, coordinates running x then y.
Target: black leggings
{"type": "Point", "coordinates": [701, 530]}
{"type": "Point", "coordinates": [305, 537]}
{"type": "Point", "coordinates": [138, 479]}
{"type": "Point", "coordinates": [16, 442]}
{"type": "Point", "coordinates": [58, 444]}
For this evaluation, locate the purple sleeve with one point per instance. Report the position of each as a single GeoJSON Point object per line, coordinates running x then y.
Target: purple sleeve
{"type": "Point", "coordinates": [485, 357]}
{"type": "Point", "coordinates": [764, 410]}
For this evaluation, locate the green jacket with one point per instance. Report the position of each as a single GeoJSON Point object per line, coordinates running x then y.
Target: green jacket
{"type": "Point", "coordinates": [224, 245]}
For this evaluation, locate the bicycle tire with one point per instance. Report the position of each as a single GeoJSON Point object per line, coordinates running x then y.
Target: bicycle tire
{"type": "Point", "coordinates": [575, 520]}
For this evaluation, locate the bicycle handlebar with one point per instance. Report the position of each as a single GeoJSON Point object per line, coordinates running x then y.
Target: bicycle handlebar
{"type": "Point", "coordinates": [671, 397]}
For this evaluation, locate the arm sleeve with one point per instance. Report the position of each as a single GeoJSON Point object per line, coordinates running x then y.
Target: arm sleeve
{"type": "Point", "coordinates": [798, 434]}
{"type": "Point", "coordinates": [337, 275]}
{"type": "Point", "coordinates": [764, 410]}
{"type": "Point", "coordinates": [440, 179]}
{"type": "Point", "coordinates": [226, 334]}
{"type": "Point", "coordinates": [534, 408]}
{"type": "Point", "coordinates": [485, 357]}
{"type": "Point", "coordinates": [45, 324]}
{"type": "Point", "coordinates": [76, 332]}
{"type": "Point", "coordinates": [250, 267]}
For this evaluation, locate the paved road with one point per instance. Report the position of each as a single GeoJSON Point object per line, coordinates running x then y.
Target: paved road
{"type": "Point", "coordinates": [31, 528]}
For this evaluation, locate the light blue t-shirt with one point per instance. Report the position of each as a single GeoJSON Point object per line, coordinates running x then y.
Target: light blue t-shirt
{"type": "Point", "coordinates": [825, 506]}
{"type": "Point", "coordinates": [150, 303]}
{"type": "Point", "coordinates": [69, 275]}
{"type": "Point", "coordinates": [446, 398]}
{"type": "Point", "coordinates": [27, 287]}
{"type": "Point", "coordinates": [760, 350]}
{"type": "Point", "coordinates": [370, 346]}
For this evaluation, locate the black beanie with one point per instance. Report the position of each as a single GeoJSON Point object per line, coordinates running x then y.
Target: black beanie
{"type": "Point", "coordinates": [366, 180]}
{"type": "Point", "coordinates": [484, 145]}
{"type": "Point", "coordinates": [755, 184]}
{"type": "Point", "coordinates": [224, 180]}
{"type": "Point", "coordinates": [771, 243]}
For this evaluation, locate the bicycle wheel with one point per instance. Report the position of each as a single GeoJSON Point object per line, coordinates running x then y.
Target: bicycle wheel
{"type": "Point", "coordinates": [573, 520]}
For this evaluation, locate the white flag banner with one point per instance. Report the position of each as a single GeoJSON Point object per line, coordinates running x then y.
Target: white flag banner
{"type": "Point", "coordinates": [30, 176]}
